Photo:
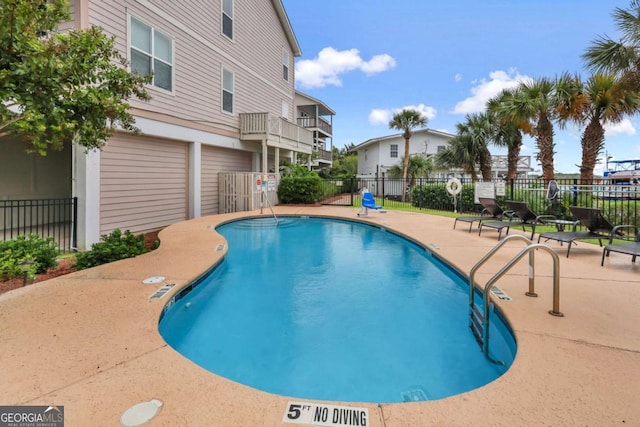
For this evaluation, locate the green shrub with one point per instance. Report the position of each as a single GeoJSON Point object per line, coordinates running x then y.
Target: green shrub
{"type": "Point", "coordinates": [112, 247]}
{"type": "Point", "coordinates": [39, 250]}
{"type": "Point", "coordinates": [300, 189]}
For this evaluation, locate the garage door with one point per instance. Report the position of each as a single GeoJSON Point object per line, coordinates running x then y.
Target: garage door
{"type": "Point", "coordinates": [143, 183]}
{"type": "Point", "coordinates": [214, 161]}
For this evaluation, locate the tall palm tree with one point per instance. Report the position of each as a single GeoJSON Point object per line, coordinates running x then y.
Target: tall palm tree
{"type": "Point", "coordinates": [419, 166]}
{"type": "Point", "coordinates": [470, 147]}
{"type": "Point", "coordinates": [620, 57]}
{"type": "Point", "coordinates": [507, 130]}
{"type": "Point", "coordinates": [405, 121]}
{"type": "Point", "coordinates": [602, 99]}
{"type": "Point", "coordinates": [534, 101]}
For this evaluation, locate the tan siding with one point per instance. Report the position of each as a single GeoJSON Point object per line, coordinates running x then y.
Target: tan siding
{"type": "Point", "coordinates": [214, 161]}
{"type": "Point", "coordinates": [143, 184]}
{"type": "Point", "coordinates": [256, 55]}
{"type": "Point", "coordinates": [73, 22]}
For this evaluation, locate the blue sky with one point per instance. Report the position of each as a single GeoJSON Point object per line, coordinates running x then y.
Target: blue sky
{"type": "Point", "coordinates": [369, 59]}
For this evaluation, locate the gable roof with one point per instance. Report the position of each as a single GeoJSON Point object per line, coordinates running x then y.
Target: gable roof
{"type": "Point", "coordinates": [286, 25]}
{"type": "Point", "coordinates": [394, 136]}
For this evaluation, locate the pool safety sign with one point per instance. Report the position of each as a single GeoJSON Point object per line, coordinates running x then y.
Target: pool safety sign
{"type": "Point", "coordinates": [314, 414]}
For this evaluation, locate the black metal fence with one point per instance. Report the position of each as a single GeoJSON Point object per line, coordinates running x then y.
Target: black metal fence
{"type": "Point", "coordinates": [46, 217]}
{"type": "Point", "coordinates": [619, 203]}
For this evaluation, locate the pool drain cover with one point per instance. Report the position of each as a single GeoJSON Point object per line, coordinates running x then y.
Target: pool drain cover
{"type": "Point", "coordinates": [153, 280]}
{"type": "Point", "coordinates": [416, 395]}
{"type": "Point", "coordinates": [140, 413]}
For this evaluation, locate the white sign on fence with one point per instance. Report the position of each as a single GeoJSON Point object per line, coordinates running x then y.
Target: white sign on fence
{"type": "Point", "coordinates": [486, 190]}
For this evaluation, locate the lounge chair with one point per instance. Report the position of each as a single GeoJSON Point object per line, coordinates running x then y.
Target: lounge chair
{"type": "Point", "coordinates": [598, 227]}
{"type": "Point", "coordinates": [491, 211]}
{"type": "Point", "coordinates": [523, 217]}
{"type": "Point", "coordinates": [368, 202]}
{"type": "Point", "coordinates": [632, 248]}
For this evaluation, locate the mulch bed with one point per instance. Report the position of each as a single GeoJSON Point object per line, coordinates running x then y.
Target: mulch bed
{"type": "Point", "coordinates": [64, 267]}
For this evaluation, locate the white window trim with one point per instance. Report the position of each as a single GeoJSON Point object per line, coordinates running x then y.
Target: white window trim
{"type": "Point", "coordinates": [233, 14]}
{"type": "Point", "coordinates": [391, 151]}
{"type": "Point", "coordinates": [173, 54]}
{"type": "Point", "coordinates": [222, 90]}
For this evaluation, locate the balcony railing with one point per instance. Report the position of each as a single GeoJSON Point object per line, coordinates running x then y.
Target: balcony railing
{"type": "Point", "coordinates": [313, 123]}
{"type": "Point", "coordinates": [325, 155]}
{"type": "Point", "coordinates": [277, 131]}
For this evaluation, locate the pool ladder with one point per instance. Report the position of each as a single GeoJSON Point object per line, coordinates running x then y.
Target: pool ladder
{"type": "Point", "coordinates": [263, 197]}
{"type": "Point", "coordinates": [479, 321]}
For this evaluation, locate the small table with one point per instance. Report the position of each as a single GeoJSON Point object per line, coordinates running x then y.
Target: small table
{"type": "Point", "coordinates": [562, 223]}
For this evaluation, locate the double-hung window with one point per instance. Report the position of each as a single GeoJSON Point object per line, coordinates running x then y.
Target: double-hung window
{"type": "Point", "coordinates": [227, 90]}
{"type": "Point", "coordinates": [151, 52]}
{"type": "Point", "coordinates": [285, 65]}
{"type": "Point", "coordinates": [227, 18]}
{"type": "Point", "coordinates": [394, 151]}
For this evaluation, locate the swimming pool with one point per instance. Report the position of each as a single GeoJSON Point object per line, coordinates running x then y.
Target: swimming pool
{"type": "Point", "coordinates": [330, 309]}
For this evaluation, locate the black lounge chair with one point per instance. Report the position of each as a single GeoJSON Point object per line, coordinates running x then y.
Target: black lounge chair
{"type": "Point", "coordinates": [598, 227]}
{"type": "Point", "coordinates": [491, 211]}
{"type": "Point", "coordinates": [523, 217]}
{"type": "Point", "coordinates": [632, 248]}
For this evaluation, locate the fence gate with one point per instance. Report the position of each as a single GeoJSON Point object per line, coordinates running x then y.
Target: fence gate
{"type": "Point", "coordinates": [242, 191]}
{"type": "Point", "coordinates": [340, 192]}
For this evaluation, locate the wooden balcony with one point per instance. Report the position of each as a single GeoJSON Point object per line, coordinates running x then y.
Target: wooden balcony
{"type": "Point", "coordinates": [318, 124]}
{"type": "Point", "coordinates": [277, 131]}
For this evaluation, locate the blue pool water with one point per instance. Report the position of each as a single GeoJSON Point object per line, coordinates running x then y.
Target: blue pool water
{"type": "Point", "coordinates": [334, 310]}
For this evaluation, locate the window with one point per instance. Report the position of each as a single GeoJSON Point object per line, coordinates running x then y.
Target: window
{"type": "Point", "coordinates": [285, 65]}
{"type": "Point", "coordinates": [441, 148]}
{"type": "Point", "coordinates": [285, 110]}
{"type": "Point", "coordinates": [394, 150]}
{"type": "Point", "coordinates": [227, 18]}
{"type": "Point", "coordinates": [152, 52]}
{"type": "Point", "coordinates": [227, 91]}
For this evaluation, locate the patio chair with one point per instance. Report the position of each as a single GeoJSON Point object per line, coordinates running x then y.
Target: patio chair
{"type": "Point", "coordinates": [598, 227]}
{"type": "Point", "coordinates": [491, 211]}
{"type": "Point", "coordinates": [523, 217]}
{"type": "Point", "coordinates": [632, 248]}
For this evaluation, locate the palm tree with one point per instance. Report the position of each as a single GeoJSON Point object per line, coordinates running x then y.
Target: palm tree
{"type": "Point", "coordinates": [419, 167]}
{"type": "Point", "coordinates": [533, 101]}
{"type": "Point", "coordinates": [507, 130]}
{"type": "Point", "coordinates": [470, 147]}
{"type": "Point", "coordinates": [603, 99]}
{"type": "Point", "coordinates": [621, 57]}
{"type": "Point", "coordinates": [405, 121]}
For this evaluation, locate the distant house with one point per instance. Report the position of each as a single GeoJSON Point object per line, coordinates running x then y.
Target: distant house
{"type": "Point", "coordinates": [377, 155]}
{"type": "Point", "coordinates": [224, 100]}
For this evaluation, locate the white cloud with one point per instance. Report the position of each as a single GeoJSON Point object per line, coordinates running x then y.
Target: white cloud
{"type": "Point", "coordinates": [379, 117]}
{"type": "Point", "coordinates": [487, 89]}
{"type": "Point", "coordinates": [624, 127]}
{"type": "Point", "coordinates": [383, 117]}
{"type": "Point", "coordinates": [457, 77]}
{"type": "Point", "coordinates": [330, 64]}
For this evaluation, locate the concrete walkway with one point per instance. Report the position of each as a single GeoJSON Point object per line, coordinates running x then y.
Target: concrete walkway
{"type": "Point", "coordinates": [89, 341]}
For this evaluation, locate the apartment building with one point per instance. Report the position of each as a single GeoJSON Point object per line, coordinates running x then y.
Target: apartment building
{"type": "Point", "coordinates": [223, 100]}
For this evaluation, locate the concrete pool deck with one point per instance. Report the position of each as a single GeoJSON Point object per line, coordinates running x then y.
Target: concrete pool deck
{"type": "Point", "coordinates": [89, 340]}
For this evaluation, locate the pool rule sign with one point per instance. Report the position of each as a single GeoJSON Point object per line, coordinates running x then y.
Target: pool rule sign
{"type": "Point", "coordinates": [314, 414]}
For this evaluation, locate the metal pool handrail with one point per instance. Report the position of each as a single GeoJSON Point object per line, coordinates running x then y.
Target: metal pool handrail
{"type": "Point", "coordinates": [475, 319]}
